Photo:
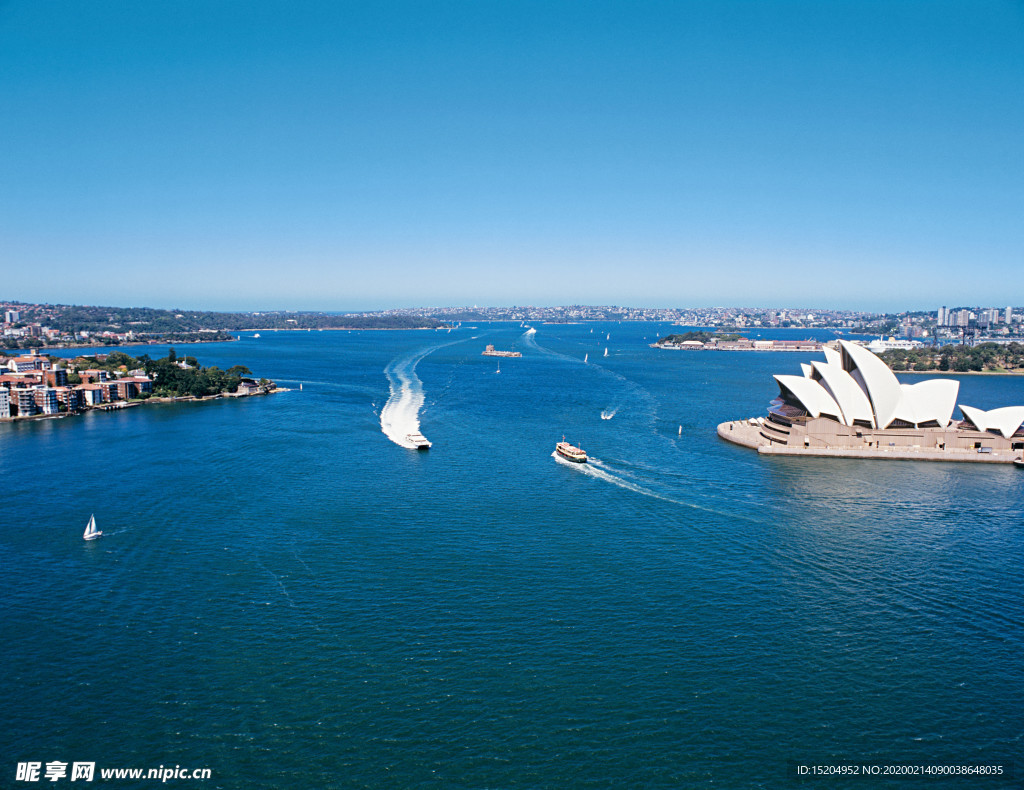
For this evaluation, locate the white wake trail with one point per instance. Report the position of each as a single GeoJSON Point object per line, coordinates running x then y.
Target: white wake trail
{"type": "Point", "coordinates": [596, 469]}
{"type": "Point", "coordinates": [401, 414]}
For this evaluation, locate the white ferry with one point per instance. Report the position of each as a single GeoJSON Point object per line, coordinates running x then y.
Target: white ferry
{"type": "Point", "coordinates": [418, 440]}
{"type": "Point", "coordinates": [570, 452]}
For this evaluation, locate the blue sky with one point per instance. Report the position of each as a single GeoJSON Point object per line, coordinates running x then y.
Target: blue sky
{"type": "Point", "coordinates": [361, 155]}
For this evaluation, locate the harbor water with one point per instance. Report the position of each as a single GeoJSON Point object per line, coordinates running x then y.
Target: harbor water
{"type": "Point", "coordinates": [288, 595]}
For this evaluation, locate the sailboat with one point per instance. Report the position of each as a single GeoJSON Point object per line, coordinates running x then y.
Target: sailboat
{"type": "Point", "coordinates": [586, 357]}
{"type": "Point", "coordinates": [606, 352]}
{"type": "Point", "coordinates": [91, 533]}
{"type": "Point", "coordinates": [499, 368]}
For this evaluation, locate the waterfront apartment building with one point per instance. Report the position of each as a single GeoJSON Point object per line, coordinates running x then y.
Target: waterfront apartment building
{"type": "Point", "coordinates": [5, 404]}
{"type": "Point", "coordinates": [12, 316]}
{"type": "Point", "coordinates": [46, 400]}
{"type": "Point", "coordinates": [93, 376]}
{"type": "Point", "coordinates": [91, 394]}
{"type": "Point", "coordinates": [58, 377]}
{"type": "Point", "coordinates": [26, 401]}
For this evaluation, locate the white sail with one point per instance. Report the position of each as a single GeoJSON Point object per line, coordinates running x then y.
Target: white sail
{"type": "Point", "coordinates": [586, 356]}
{"type": "Point", "coordinates": [90, 530]}
{"type": "Point", "coordinates": [606, 352]}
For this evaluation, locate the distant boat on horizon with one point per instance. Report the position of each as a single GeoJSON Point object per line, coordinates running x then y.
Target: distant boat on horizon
{"type": "Point", "coordinates": [606, 352]}
{"type": "Point", "coordinates": [91, 533]}
{"type": "Point", "coordinates": [586, 357]}
{"type": "Point", "coordinates": [256, 335]}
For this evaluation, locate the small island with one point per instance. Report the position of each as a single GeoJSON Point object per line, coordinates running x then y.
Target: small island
{"type": "Point", "coordinates": [36, 385]}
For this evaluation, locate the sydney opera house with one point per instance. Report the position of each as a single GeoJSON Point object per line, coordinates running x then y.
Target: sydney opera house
{"type": "Point", "coordinates": [852, 405]}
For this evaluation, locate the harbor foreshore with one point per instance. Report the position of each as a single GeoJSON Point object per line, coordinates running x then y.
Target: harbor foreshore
{"type": "Point", "coordinates": [941, 444]}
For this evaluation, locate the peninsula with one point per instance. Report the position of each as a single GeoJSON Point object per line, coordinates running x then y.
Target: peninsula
{"type": "Point", "coordinates": [851, 405]}
{"type": "Point", "coordinates": [36, 385]}
{"type": "Point", "coordinates": [28, 326]}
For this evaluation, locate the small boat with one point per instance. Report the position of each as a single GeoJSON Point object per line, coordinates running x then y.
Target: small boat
{"type": "Point", "coordinates": [418, 440]}
{"type": "Point", "coordinates": [586, 356]}
{"type": "Point", "coordinates": [256, 335]}
{"type": "Point", "coordinates": [91, 533]}
{"type": "Point", "coordinates": [1019, 463]}
{"type": "Point", "coordinates": [570, 452]}
{"type": "Point", "coordinates": [606, 352]}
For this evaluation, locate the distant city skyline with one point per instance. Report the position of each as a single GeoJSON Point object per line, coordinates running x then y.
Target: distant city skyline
{"type": "Point", "coordinates": [336, 156]}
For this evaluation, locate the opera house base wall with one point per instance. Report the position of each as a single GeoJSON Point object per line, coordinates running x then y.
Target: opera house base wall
{"type": "Point", "coordinates": [823, 437]}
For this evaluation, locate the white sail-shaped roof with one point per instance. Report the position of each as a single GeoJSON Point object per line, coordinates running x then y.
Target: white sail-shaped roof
{"type": "Point", "coordinates": [1006, 420]}
{"type": "Point", "coordinates": [880, 384]}
{"type": "Point", "coordinates": [807, 370]}
{"type": "Point", "coordinates": [833, 357]}
{"type": "Point", "coordinates": [812, 396]}
{"type": "Point", "coordinates": [929, 400]}
{"type": "Point", "coordinates": [846, 392]}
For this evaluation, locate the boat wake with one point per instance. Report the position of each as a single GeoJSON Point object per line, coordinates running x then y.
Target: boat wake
{"type": "Point", "coordinates": [599, 471]}
{"type": "Point", "coordinates": [607, 414]}
{"type": "Point", "coordinates": [401, 414]}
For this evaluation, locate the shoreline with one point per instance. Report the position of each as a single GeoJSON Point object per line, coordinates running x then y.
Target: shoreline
{"type": "Point", "coordinates": [961, 372]}
{"type": "Point", "coordinates": [129, 404]}
{"type": "Point", "coordinates": [233, 338]}
{"type": "Point", "coordinates": [744, 434]}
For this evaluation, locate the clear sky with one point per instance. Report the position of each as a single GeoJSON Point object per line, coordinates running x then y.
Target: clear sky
{"type": "Point", "coordinates": [337, 155]}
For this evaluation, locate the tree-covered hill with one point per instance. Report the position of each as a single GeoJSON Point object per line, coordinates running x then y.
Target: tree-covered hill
{"type": "Point", "coordinates": [992, 357]}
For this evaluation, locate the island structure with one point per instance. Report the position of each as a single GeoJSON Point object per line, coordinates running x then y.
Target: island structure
{"type": "Point", "coordinates": [35, 386]}
{"type": "Point", "coordinates": [851, 405]}
{"type": "Point", "coordinates": [490, 351]}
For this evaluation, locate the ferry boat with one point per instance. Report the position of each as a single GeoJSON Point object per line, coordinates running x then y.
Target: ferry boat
{"type": "Point", "coordinates": [570, 452]}
{"type": "Point", "coordinates": [418, 440]}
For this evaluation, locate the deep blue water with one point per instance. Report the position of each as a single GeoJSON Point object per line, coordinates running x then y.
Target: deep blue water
{"type": "Point", "coordinates": [286, 596]}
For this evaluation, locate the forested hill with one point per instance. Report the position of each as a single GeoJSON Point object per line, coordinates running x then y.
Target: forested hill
{"type": "Point", "coordinates": [990, 357]}
{"type": "Point", "coordinates": [147, 320]}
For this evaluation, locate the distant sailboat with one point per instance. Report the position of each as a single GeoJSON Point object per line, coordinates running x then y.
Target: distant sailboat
{"type": "Point", "coordinates": [608, 336]}
{"type": "Point", "coordinates": [586, 357]}
{"type": "Point", "coordinates": [91, 533]}
{"type": "Point", "coordinates": [606, 352]}
{"type": "Point", "coordinates": [499, 368]}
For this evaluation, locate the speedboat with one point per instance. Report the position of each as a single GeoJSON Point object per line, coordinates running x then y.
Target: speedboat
{"type": "Point", "coordinates": [418, 440]}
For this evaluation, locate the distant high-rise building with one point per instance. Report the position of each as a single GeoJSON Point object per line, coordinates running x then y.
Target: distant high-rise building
{"type": "Point", "coordinates": [12, 316]}
{"type": "Point", "coordinates": [1009, 315]}
{"type": "Point", "coordinates": [942, 316]}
